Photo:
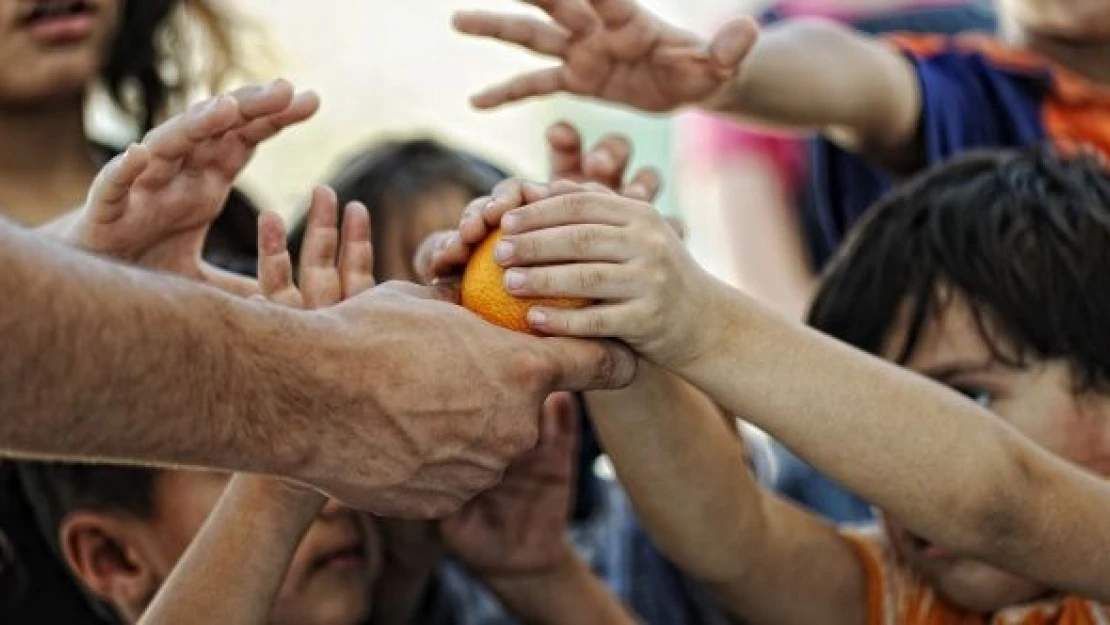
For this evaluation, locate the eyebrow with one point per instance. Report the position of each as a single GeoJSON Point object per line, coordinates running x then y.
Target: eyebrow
{"type": "Point", "coordinates": [947, 371]}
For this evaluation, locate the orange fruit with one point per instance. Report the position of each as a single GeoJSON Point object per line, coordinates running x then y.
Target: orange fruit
{"type": "Point", "coordinates": [483, 291]}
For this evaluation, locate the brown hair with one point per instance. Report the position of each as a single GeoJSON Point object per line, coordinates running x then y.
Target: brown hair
{"type": "Point", "coordinates": [152, 61]}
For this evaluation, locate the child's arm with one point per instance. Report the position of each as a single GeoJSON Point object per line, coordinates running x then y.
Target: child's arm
{"type": "Point", "coordinates": [154, 204]}
{"type": "Point", "coordinates": [944, 466]}
{"type": "Point", "coordinates": [513, 537]}
{"type": "Point", "coordinates": [234, 568]}
{"type": "Point", "coordinates": [692, 489]}
{"type": "Point", "coordinates": [803, 74]}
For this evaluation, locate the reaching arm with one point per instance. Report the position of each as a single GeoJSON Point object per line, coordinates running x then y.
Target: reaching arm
{"type": "Point", "coordinates": [800, 74]}
{"type": "Point", "coordinates": [756, 552]}
{"type": "Point", "coordinates": [822, 76]}
{"type": "Point", "coordinates": [979, 487]}
{"type": "Point", "coordinates": [233, 570]}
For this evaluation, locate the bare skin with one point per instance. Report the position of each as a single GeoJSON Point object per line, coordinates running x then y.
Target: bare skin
{"type": "Point", "coordinates": [221, 392]}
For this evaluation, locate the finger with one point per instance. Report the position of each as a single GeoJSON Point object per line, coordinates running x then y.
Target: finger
{"type": "Point", "coordinates": [424, 260]}
{"type": "Point", "coordinates": [529, 85]}
{"type": "Point", "coordinates": [563, 408]}
{"type": "Point", "coordinates": [356, 256]}
{"type": "Point", "coordinates": [597, 321]}
{"type": "Point", "coordinates": [644, 186]}
{"type": "Point", "coordinates": [319, 278]}
{"type": "Point", "coordinates": [593, 281]}
{"type": "Point", "coordinates": [615, 14]}
{"type": "Point", "coordinates": [506, 196]}
{"type": "Point", "coordinates": [529, 33]}
{"type": "Point", "coordinates": [473, 228]}
{"type": "Point", "coordinates": [260, 100]}
{"type": "Point", "coordinates": [574, 208]}
{"type": "Point", "coordinates": [174, 139]}
{"type": "Point", "coordinates": [731, 44]}
{"type": "Point", "coordinates": [607, 161]}
{"type": "Point", "coordinates": [302, 107]}
{"type": "Point", "coordinates": [564, 244]}
{"type": "Point", "coordinates": [565, 145]}
{"type": "Point", "coordinates": [574, 15]}
{"type": "Point", "coordinates": [107, 195]}
{"type": "Point", "coordinates": [589, 365]}
{"type": "Point", "coordinates": [451, 258]}
{"type": "Point", "coordinates": [275, 268]}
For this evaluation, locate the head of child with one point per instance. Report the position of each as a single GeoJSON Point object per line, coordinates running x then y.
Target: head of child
{"type": "Point", "coordinates": [121, 530]}
{"type": "Point", "coordinates": [1074, 21]}
{"type": "Point", "coordinates": [412, 189]}
{"type": "Point", "coordinates": [988, 275]}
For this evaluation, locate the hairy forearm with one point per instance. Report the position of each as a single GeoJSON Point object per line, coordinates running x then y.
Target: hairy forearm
{"type": "Point", "coordinates": [568, 594]}
{"type": "Point", "coordinates": [107, 362]}
{"type": "Point", "coordinates": [947, 468]}
{"type": "Point", "coordinates": [234, 568]}
{"type": "Point", "coordinates": [662, 436]}
{"type": "Point", "coordinates": [816, 75]}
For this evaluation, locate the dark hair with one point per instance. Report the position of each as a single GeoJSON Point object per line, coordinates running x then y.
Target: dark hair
{"type": "Point", "coordinates": [390, 177]}
{"type": "Point", "coordinates": [1024, 237]}
{"type": "Point", "coordinates": [57, 489]}
{"type": "Point", "coordinates": [150, 63]}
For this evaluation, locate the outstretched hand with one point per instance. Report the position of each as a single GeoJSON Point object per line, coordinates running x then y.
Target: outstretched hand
{"type": "Point", "coordinates": [519, 526]}
{"type": "Point", "coordinates": [613, 50]}
{"type": "Point", "coordinates": [154, 204]}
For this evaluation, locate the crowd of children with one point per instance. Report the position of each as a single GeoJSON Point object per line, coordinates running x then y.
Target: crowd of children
{"type": "Point", "coordinates": [953, 374]}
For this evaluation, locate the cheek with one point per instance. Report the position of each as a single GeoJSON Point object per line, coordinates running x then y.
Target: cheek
{"type": "Point", "coordinates": [1086, 441]}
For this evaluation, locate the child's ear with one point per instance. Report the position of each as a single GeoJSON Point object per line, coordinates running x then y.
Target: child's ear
{"type": "Point", "coordinates": [105, 553]}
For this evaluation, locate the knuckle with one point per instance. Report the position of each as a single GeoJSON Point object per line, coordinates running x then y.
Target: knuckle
{"type": "Point", "coordinates": [590, 279]}
{"type": "Point", "coordinates": [596, 323]}
{"type": "Point", "coordinates": [582, 240]}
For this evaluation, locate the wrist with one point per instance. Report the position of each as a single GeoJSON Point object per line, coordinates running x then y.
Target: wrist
{"type": "Point", "coordinates": [560, 575]}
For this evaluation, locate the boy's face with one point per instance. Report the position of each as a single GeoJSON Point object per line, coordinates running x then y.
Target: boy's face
{"type": "Point", "coordinates": [1037, 401]}
{"type": "Point", "coordinates": [1070, 20]}
{"type": "Point", "coordinates": [330, 579]}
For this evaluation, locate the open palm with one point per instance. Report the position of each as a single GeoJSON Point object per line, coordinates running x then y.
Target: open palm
{"type": "Point", "coordinates": [154, 204]}
{"type": "Point", "coordinates": [614, 50]}
{"type": "Point", "coordinates": [519, 526]}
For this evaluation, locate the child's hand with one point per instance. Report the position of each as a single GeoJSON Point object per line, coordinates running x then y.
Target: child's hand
{"type": "Point", "coordinates": [153, 205]}
{"type": "Point", "coordinates": [619, 253]}
{"type": "Point", "coordinates": [443, 255]}
{"type": "Point", "coordinates": [334, 266]}
{"type": "Point", "coordinates": [519, 527]}
{"type": "Point", "coordinates": [613, 50]}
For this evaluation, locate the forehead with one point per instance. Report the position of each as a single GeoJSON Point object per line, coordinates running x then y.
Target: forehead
{"type": "Point", "coordinates": [949, 333]}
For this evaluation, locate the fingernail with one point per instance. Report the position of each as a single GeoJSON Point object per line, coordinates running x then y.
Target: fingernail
{"type": "Point", "coordinates": [509, 222]}
{"type": "Point", "coordinates": [536, 317]}
{"type": "Point", "coordinates": [503, 251]}
{"type": "Point", "coordinates": [514, 279]}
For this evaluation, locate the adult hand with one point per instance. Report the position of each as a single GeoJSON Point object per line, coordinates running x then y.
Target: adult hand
{"type": "Point", "coordinates": [613, 50]}
{"type": "Point", "coordinates": [427, 403]}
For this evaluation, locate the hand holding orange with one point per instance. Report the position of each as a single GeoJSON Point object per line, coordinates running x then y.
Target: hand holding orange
{"type": "Point", "coordinates": [483, 291]}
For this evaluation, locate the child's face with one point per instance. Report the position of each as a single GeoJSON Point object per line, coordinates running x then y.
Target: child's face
{"type": "Point", "coordinates": [1074, 20]}
{"type": "Point", "coordinates": [333, 570]}
{"type": "Point", "coordinates": [437, 210]}
{"type": "Point", "coordinates": [1037, 401]}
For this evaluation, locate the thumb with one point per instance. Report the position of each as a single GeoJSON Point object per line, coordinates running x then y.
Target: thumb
{"type": "Point", "coordinates": [732, 43]}
{"type": "Point", "coordinates": [582, 365]}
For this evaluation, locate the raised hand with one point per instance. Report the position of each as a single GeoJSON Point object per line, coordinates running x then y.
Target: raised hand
{"type": "Point", "coordinates": [613, 50]}
{"type": "Point", "coordinates": [334, 265]}
{"type": "Point", "coordinates": [606, 163]}
{"type": "Point", "coordinates": [153, 205]}
{"type": "Point", "coordinates": [519, 526]}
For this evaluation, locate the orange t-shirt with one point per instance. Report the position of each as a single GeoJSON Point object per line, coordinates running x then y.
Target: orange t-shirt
{"type": "Point", "coordinates": [897, 596]}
